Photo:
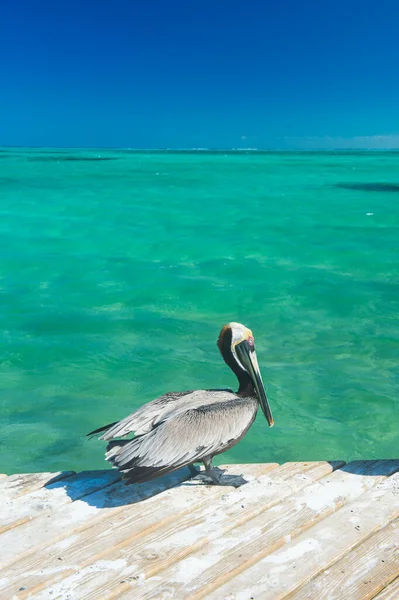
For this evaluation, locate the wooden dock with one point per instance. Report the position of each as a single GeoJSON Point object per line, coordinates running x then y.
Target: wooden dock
{"type": "Point", "coordinates": [304, 531]}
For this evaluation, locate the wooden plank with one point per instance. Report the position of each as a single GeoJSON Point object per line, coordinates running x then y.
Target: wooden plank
{"type": "Point", "coordinates": [68, 518]}
{"type": "Point", "coordinates": [283, 572]}
{"type": "Point", "coordinates": [17, 510]}
{"type": "Point", "coordinates": [17, 485]}
{"type": "Point", "coordinates": [201, 574]}
{"type": "Point", "coordinates": [360, 574]}
{"type": "Point", "coordinates": [170, 544]}
{"type": "Point", "coordinates": [391, 592]}
{"type": "Point", "coordinates": [122, 515]}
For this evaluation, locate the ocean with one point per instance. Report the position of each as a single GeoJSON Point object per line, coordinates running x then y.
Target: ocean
{"type": "Point", "coordinates": [119, 267]}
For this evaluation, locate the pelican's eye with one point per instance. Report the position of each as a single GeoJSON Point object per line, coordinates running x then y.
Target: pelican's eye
{"type": "Point", "coordinates": [251, 342]}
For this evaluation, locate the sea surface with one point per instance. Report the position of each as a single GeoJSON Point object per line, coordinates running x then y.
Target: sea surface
{"type": "Point", "coordinates": [118, 268]}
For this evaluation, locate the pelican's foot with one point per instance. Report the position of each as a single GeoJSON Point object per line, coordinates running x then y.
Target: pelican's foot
{"type": "Point", "coordinates": [232, 480]}
{"type": "Point", "coordinates": [204, 478]}
{"type": "Point", "coordinates": [216, 476]}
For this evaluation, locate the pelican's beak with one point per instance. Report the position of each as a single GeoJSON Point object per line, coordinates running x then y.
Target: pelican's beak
{"type": "Point", "coordinates": [247, 356]}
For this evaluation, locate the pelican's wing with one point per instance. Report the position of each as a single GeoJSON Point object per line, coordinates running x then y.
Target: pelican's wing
{"type": "Point", "coordinates": [184, 437]}
{"type": "Point", "coordinates": [141, 420]}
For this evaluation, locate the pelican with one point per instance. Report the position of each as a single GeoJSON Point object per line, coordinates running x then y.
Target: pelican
{"type": "Point", "coordinates": [182, 428]}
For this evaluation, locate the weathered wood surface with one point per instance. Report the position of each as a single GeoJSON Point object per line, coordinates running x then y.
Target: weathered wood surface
{"type": "Point", "coordinates": [304, 531]}
{"type": "Point", "coordinates": [17, 485]}
{"type": "Point", "coordinates": [391, 592]}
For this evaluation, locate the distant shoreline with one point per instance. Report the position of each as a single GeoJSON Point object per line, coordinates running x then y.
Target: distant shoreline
{"type": "Point", "coordinates": [205, 150]}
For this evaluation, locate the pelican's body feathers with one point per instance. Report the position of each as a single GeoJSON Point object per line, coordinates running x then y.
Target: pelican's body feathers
{"type": "Point", "coordinates": [195, 426]}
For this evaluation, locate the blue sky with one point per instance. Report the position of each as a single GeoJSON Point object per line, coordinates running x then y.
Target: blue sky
{"type": "Point", "coordinates": [215, 73]}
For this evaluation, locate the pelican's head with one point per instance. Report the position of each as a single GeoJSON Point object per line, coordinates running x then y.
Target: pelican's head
{"type": "Point", "coordinates": [237, 346]}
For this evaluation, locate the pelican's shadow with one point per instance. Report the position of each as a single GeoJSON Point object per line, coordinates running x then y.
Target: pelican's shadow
{"type": "Point", "coordinates": [106, 489]}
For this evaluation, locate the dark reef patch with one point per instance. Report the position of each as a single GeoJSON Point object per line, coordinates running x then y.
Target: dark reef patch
{"type": "Point", "coordinates": [369, 187]}
{"type": "Point", "coordinates": [70, 158]}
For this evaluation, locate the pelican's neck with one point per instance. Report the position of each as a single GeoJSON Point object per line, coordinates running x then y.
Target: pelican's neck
{"type": "Point", "coordinates": [246, 387]}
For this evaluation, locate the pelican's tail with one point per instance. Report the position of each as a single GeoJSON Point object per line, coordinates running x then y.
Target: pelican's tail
{"type": "Point", "coordinates": [101, 429]}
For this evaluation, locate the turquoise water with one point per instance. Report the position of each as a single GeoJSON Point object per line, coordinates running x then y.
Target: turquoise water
{"type": "Point", "coordinates": [118, 269]}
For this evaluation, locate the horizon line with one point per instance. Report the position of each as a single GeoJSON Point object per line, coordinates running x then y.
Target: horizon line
{"type": "Point", "coordinates": [201, 149]}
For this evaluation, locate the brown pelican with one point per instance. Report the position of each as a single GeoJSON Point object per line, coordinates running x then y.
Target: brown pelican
{"type": "Point", "coordinates": [181, 428]}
